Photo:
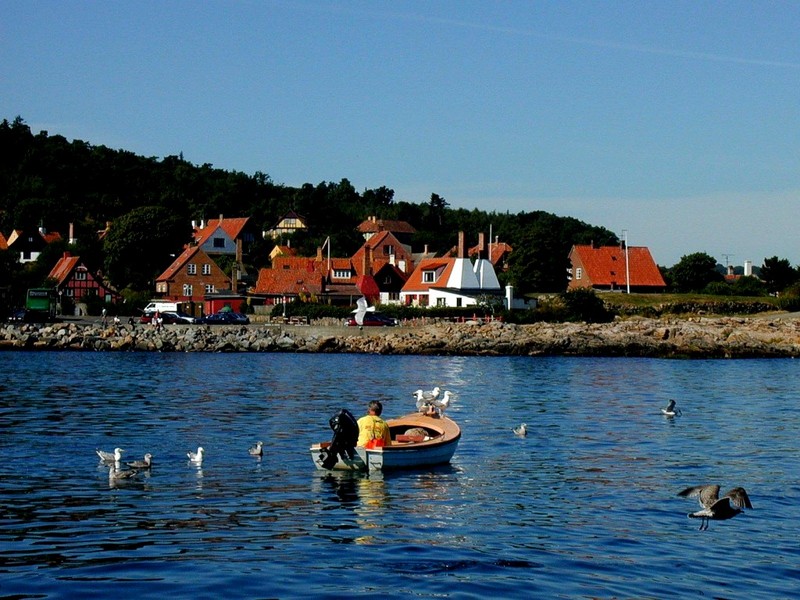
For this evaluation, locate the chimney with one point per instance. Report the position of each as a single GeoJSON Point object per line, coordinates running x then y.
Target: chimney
{"type": "Point", "coordinates": [238, 250]}
{"type": "Point", "coordinates": [425, 251]}
{"type": "Point", "coordinates": [748, 268]}
{"type": "Point", "coordinates": [367, 266]}
{"type": "Point", "coordinates": [462, 250]}
{"type": "Point", "coordinates": [220, 219]}
{"type": "Point", "coordinates": [72, 239]}
{"type": "Point", "coordinates": [481, 246]}
{"type": "Point", "coordinates": [319, 254]}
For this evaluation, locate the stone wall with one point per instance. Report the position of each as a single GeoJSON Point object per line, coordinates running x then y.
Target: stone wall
{"type": "Point", "coordinates": [673, 338]}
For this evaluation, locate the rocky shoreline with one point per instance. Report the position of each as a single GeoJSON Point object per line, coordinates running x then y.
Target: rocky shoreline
{"type": "Point", "coordinates": [665, 338]}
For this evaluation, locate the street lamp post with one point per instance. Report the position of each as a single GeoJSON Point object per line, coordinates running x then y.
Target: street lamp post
{"type": "Point", "coordinates": [627, 265]}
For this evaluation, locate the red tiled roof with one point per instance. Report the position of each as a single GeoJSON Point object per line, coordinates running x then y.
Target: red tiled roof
{"type": "Point", "coordinates": [3, 242]}
{"type": "Point", "coordinates": [373, 225]}
{"type": "Point", "coordinates": [605, 266]}
{"type": "Point", "coordinates": [287, 281]}
{"type": "Point", "coordinates": [233, 227]}
{"type": "Point", "coordinates": [415, 283]}
{"type": "Point", "coordinates": [62, 269]}
{"type": "Point", "coordinates": [178, 263]}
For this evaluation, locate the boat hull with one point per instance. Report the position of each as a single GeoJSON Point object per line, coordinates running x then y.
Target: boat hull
{"type": "Point", "coordinates": [406, 452]}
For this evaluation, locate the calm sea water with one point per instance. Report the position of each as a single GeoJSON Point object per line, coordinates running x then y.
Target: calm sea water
{"type": "Point", "coordinates": [584, 507]}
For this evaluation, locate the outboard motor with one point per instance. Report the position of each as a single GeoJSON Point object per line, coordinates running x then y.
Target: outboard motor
{"type": "Point", "coordinates": [345, 437]}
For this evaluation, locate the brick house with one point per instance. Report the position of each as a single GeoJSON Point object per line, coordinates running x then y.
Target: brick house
{"type": "Point", "coordinates": [191, 277]}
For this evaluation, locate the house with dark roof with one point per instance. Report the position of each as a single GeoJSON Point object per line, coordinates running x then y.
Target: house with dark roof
{"type": "Point", "coordinates": [610, 268]}
{"type": "Point", "coordinates": [286, 225]}
{"type": "Point", "coordinates": [401, 230]}
{"type": "Point", "coordinates": [74, 281]}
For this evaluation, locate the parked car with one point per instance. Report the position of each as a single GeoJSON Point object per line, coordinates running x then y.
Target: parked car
{"type": "Point", "coordinates": [168, 318]}
{"type": "Point", "coordinates": [18, 315]}
{"type": "Point", "coordinates": [373, 319]}
{"type": "Point", "coordinates": [226, 318]}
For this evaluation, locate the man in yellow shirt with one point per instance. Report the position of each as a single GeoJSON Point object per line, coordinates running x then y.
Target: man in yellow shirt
{"type": "Point", "coordinates": [373, 432]}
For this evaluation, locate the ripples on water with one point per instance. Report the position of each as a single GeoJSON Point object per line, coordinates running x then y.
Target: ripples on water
{"type": "Point", "coordinates": [585, 506]}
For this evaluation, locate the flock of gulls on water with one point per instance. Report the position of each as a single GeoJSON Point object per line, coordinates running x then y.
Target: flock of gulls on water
{"type": "Point", "coordinates": [714, 508]}
{"type": "Point", "coordinates": [117, 474]}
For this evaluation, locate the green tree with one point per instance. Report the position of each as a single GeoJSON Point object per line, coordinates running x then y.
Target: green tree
{"type": "Point", "coordinates": [694, 272]}
{"type": "Point", "coordinates": [778, 274]}
{"type": "Point", "coordinates": [141, 244]}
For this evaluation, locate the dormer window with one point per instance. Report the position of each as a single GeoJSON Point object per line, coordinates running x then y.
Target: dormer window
{"type": "Point", "coordinates": [341, 273]}
{"type": "Point", "coordinates": [429, 277]}
{"type": "Point", "coordinates": [219, 242]}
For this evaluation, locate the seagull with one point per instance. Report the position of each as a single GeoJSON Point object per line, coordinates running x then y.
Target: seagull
{"type": "Point", "coordinates": [669, 410]}
{"type": "Point", "coordinates": [361, 310]}
{"type": "Point", "coordinates": [521, 431]}
{"type": "Point", "coordinates": [196, 457]}
{"type": "Point", "coordinates": [444, 402]}
{"type": "Point", "coordinates": [714, 507]}
{"type": "Point", "coordinates": [422, 403]}
{"type": "Point", "coordinates": [142, 464]}
{"type": "Point", "coordinates": [109, 457]}
{"type": "Point", "coordinates": [116, 475]}
{"type": "Point", "coordinates": [256, 450]}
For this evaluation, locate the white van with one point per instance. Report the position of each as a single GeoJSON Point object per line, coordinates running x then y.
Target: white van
{"type": "Point", "coordinates": [162, 306]}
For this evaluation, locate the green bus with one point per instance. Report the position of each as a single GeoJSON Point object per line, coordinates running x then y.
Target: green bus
{"type": "Point", "coordinates": [40, 304]}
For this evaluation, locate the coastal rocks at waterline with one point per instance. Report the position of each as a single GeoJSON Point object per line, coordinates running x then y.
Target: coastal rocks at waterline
{"type": "Point", "coordinates": [675, 338]}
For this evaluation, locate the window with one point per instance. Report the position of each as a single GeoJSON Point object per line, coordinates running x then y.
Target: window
{"type": "Point", "coordinates": [219, 242]}
{"type": "Point", "coordinates": [388, 249]}
{"type": "Point", "coordinates": [209, 288]}
{"type": "Point", "coordinates": [187, 290]}
{"type": "Point", "coordinates": [206, 269]}
{"type": "Point", "coordinates": [578, 273]}
{"type": "Point", "coordinates": [428, 276]}
{"type": "Point", "coordinates": [80, 275]}
{"type": "Point", "coordinates": [70, 292]}
{"type": "Point", "coordinates": [441, 302]}
{"type": "Point", "coordinates": [341, 273]}
{"type": "Point", "coordinates": [191, 269]}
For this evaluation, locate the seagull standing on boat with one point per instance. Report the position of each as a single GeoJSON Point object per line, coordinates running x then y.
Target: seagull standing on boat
{"type": "Point", "coordinates": [521, 431]}
{"type": "Point", "coordinates": [714, 507]}
{"type": "Point", "coordinates": [142, 464]}
{"type": "Point", "coordinates": [256, 450]}
{"type": "Point", "coordinates": [669, 410]}
{"type": "Point", "coordinates": [110, 457]}
{"type": "Point", "coordinates": [444, 403]}
{"type": "Point", "coordinates": [196, 457]}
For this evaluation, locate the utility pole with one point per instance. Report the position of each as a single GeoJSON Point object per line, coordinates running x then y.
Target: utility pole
{"type": "Point", "coordinates": [627, 263]}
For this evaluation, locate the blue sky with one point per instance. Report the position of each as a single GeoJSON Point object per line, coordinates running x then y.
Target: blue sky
{"type": "Point", "coordinates": [678, 122]}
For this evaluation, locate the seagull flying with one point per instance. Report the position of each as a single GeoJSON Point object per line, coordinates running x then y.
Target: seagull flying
{"type": "Point", "coordinates": [142, 464]}
{"type": "Point", "coordinates": [256, 450]}
{"type": "Point", "coordinates": [669, 410]}
{"type": "Point", "coordinates": [714, 507]}
{"type": "Point", "coordinates": [196, 457]}
{"type": "Point", "coordinates": [361, 310]}
{"type": "Point", "coordinates": [521, 431]}
{"type": "Point", "coordinates": [109, 457]}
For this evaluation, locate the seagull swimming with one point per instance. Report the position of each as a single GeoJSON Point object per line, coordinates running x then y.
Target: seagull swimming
{"type": "Point", "coordinates": [521, 431]}
{"type": "Point", "coordinates": [109, 457]}
{"type": "Point", "coordinates": [714, 507]}
{"type": "Point", "coordinates": [669, 410]}
{"type": "Point", "coordinates": [142, 464]}
{"type": "Point", "coordinates": [116, 475]}
{"type": "Point", "coordinates": [256, 450]}
{"type": "Point", "coordinates": [196, 457]}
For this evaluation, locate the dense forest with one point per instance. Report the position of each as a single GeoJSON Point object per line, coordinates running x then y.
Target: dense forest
{"type": "Point", "coordinates": [47, 180]}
